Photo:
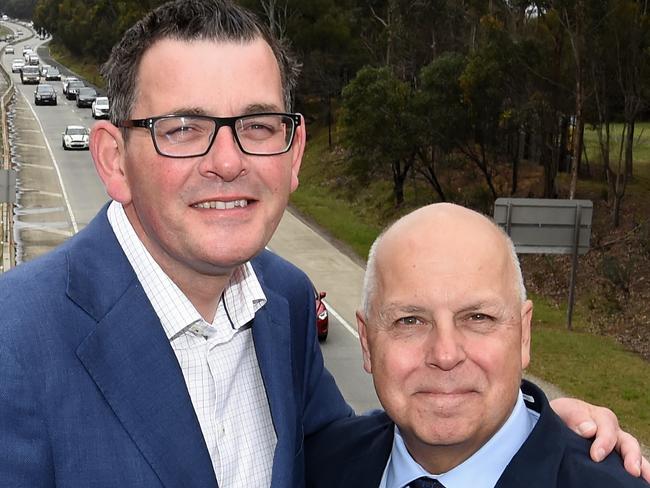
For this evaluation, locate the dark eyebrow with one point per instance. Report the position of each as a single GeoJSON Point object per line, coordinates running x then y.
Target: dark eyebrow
{"type": "Point", "coordinates": [261, 108]}
{"type": "Point", "coordinates": [249, 109]}
{"type": "Point", "coordinates": [187, 111]}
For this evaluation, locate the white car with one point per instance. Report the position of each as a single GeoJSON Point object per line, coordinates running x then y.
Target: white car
{"type": "Point", "coordinates": [16, 65]}
{"type": "Point", "coordinates": [75, 137]}
{"type": "Point", "coordinates": [100, 108]}
{"type": "Point", "coordinates": [9, 50]}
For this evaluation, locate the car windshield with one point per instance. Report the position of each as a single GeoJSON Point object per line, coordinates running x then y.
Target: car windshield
{"type": "Point", "coordinates": [30, 70]}
{"type": "Point", "coordinates": [75, 131]}
{"type": "Point", "coordinates": [52, 71]}
{"type": "Point", "coordinates": [101, 102]}
{"type": "Point", "coordinates": [87, 92]}
{"type": "Point", "coordinates": [45, 89]}
{"type": "Point", "coordinates": [76, 84]}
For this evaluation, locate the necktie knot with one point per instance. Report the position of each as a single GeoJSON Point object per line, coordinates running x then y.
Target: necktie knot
{"type": "Point", "coordinates": [425, 482]}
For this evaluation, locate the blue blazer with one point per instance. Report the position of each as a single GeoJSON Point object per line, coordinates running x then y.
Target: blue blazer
{"type": "Point", "coordinates": [352, 453]}
{"type": "Point", "coordinates": [91, 393]}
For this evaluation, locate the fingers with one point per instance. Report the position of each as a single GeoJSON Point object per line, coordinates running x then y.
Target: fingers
{"type": "Point", "coordinates": [589, 420]}
{"type": "Point", "coordinates": [645, 469]}
{"type": "Point", "coordinates": [608, 436]}
{"type": "Point", "coordinates": [630, 450]}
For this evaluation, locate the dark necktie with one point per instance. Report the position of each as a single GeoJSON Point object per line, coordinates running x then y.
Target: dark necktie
{"type": "Point", "coordinates": [425, 483]}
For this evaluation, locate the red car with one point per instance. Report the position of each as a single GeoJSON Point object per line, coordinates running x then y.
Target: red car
{"type": "Point", "coordinates": [322, 320]}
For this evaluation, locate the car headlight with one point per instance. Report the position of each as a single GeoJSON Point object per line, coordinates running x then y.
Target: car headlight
{"type": "Point", "coordinates": [67, 139]}
{"type": "Point", "coordinates": [322, 315]}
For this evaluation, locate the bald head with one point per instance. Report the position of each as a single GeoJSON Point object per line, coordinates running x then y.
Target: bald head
{"type": "Point", "coordinates": [453, 235]}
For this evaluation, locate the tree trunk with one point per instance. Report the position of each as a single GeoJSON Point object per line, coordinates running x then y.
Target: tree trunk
{"type": "Point", "coordinates": [629, 149]}
{"type": "Point", "coordinates": [399, 177]}
{"type": "Point", "coordinates": [428, 170]}
{"type": "Point", "coordinates": [578, 51]}
{"type": "Point", "coordinates": [515, 151]}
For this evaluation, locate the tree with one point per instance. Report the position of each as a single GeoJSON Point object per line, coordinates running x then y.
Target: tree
{"type": "Point", "coordinates": [444, 118]}
{"type": "Point", "coordinates": [378, 127]}
{"type": "Point", "coordinates": [487, 83]}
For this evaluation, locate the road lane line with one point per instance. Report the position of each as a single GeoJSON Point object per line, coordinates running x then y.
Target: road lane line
{"type": "Point", "coordinates": [350, 329]}
{"type": "Point", "coordinates": [75, 227]}
{"type": "Point", "coordinates": [37, 166]}
{"type": "Point", "coordinates": [24, 144]}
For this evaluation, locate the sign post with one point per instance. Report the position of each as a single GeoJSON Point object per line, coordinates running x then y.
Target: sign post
{"type": "Point", "coordinates": [546, 226]}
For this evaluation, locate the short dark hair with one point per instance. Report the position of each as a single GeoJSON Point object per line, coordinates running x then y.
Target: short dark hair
{"type": "Point", "coordinates": [187, 20]}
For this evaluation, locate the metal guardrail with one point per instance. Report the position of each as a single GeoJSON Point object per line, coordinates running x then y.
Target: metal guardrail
{"type": "Point", "coordinates": [8, 256]}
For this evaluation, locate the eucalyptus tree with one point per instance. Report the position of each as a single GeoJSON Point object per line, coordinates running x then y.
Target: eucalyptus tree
{"type": "Point", "coordinates": [378, 127]}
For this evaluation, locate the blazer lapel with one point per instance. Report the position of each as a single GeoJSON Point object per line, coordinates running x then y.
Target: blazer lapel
{"type": "Point", "coordinates": [272, 339]}
{"type": "Point", "coordinates": [130, 359]}
{"type": "Point", "coordinates": [367, 468]}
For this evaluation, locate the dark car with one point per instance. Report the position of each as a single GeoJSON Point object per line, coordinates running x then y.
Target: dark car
{"type": "Point", "coordinates": [72, 88]}
{"type": "Point", "coordinates": [52, 74]}
{"type": "Point", "coordinates": [65, 81]}
{"type": "Point", "coordinates": [85, 96]}
{"type": "Point", "coordinates": [44, 94]}
{"type": "Point", "coordinates": [322, 318]}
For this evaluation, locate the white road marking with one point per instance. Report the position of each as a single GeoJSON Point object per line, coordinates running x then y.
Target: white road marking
{"type": "Point", "coordinates": [349, 328]}
{"type": "Point", "coordinates": [75, 227]}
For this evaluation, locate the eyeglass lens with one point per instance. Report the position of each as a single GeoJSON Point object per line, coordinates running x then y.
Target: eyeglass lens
{"type": "Point", "coordinates": [256, 134]}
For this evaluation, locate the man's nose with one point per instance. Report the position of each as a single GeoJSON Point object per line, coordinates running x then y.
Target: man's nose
{"type": "Point", "coordinates": [445, 346]}
{"type": "Point", "coordinates": [224, 160]}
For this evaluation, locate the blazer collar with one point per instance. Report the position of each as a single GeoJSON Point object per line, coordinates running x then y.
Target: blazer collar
{"type": "Point", "coordinates": [537, 463]}
{"type": "Point", "coordinates": [131, 361]}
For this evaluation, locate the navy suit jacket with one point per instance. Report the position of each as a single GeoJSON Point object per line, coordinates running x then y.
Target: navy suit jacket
{"type": "Point", "coordinates": [91, 393]}
{"type": "Point", "coordinates": [352, 453]}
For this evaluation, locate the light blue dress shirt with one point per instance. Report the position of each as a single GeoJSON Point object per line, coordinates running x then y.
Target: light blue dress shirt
{"type": "Point", "coordinates": [481, 470]}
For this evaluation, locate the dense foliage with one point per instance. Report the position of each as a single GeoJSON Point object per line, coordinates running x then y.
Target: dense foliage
{"type": "Point", "coordinates": [19, 9]}
{"type": "Point", "coordinates": [418, 82]}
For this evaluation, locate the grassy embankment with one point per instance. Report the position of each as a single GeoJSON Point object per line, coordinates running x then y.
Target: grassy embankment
{"type": "Point", "coordinates": [87, 69]}
{"type": "Point", "coordinates": [588, 366]}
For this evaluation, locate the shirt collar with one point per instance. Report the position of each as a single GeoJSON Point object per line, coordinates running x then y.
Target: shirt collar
{"type": "Point", "coordinates": [481, 470]}
{"type": "Point", "coordinates": [241, 298]}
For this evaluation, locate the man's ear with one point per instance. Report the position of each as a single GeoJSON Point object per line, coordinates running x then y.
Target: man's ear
{"type": "Point", "coordinates": [297, 152]}
{"type": "Point", "coordinates": [107, 149]}
{"type": "Point", "coordinates": [526, 321]}
{"type": "Point", "coordinates": [363, 338]}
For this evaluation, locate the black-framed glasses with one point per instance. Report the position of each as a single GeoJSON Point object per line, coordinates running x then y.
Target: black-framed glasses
{"type": "Point", "coordinates": [189, 136]}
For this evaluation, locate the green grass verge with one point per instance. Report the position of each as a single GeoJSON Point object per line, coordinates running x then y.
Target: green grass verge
{"type": "Point", "coordinates": [87, 69]}
{"type": "Point", "coordinates": [594, 368]}
{"type": "Point", "coordinates": [584, 365]}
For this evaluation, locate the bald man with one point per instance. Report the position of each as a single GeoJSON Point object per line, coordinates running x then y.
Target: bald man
{"type": "Point", "coordinates": [445, 333]}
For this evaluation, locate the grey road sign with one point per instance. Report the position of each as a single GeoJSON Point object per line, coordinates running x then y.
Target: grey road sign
{"type": "Point", "coordinates": [545, 226]}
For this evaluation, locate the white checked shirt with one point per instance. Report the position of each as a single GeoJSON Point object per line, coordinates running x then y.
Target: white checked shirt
{"type": "Point", "coordinates": [218, 362]}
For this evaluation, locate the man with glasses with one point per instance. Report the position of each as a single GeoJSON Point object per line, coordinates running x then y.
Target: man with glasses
{"type": "Point", "coordinates": [162, 345]}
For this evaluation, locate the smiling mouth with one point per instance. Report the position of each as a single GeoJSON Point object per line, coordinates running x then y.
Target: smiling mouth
{"type": "Point", "coordinates": [222, 205]}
